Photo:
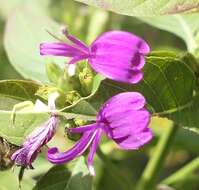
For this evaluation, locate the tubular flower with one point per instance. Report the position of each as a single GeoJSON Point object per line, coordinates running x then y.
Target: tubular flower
{"type": "Point", "coordinates": [117, 55]}
{"type": "Point", "coordinates": [39, 137]}
{"type": "Point", "coordinates": [123, 118]}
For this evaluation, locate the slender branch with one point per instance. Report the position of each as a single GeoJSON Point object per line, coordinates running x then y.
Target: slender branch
{"type": "Point", "coordinates": [114, 172]}
{"type": "Point", "coordinates": [155, 163]}
{"type": "Point", "coordinates": [183, 172]}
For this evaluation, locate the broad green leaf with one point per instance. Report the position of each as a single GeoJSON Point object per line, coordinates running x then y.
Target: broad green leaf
{"type": "Point", "coordinates": [63, 178]}
{"type": "Point", "coordinates": [24, 123]}
{"type": "Point", "coordinates": [19, 89]}
{"type": "Point", "coordinates": [8, 181]}
{"type": "Point", "coordinates": [7, 7]}
{"type": "Point", "coordinates": [142, 8]}
{"type": "Point", "coordinates": [184, 26]}
{"type": "Point", "coordinates": [26, 120]}
{"type": "Point", "coordinates": [25, 30]}
{"type": "Point", "coordinates": [188, 117]}
{"type": "Point", "coordinates": [168, 86]}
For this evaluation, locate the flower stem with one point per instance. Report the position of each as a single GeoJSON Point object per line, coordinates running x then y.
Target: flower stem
{"type": "Point", "coordinates": [114, 172]}
{"type": "Point", "coordinates": [155, 163]}
{"type": "Point", "coordinates": [183, 172]}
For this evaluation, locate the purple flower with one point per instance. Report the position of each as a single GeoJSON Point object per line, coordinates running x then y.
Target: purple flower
{"type": "Point", "coordinates": [39, 137]}
{"type": "Point", "coordinates": [118, 55]}
{"type": "Point", "coordinates": [122, 118]}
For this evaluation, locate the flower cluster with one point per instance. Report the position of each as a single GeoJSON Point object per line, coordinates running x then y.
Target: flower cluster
{"type": "Point", "coordinates": [117, 55]}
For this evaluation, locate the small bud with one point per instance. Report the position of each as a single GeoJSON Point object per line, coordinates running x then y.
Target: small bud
{"type": "Point", "coordinates": [44, 91]}
{"type": "Point", "coordinates": [80, 122]}
{"type": "Point", "coordinates": [86, 80]}
{"type": "Point", "coordinates": [72, 97]}
{"type": "Point", "coordinates": [71, 136]}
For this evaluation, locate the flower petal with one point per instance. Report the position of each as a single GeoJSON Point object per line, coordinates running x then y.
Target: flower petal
{"type": "Point", "coordinates": [92, 152]}
{"type": "Point", "coordinates": [119, 56]}
{"type": "Point", "coordinates": [121, 103]}
{"type": "Point", "coordinates": [124, 39]}
{"type": "Point", "coordinates": [20, 157]}
{"type": "Point", "coordinates": [136, 140]}
{"type": "Point", "coordinates": [129, 123]}
{"type": "Point", "coordinates": [35, 140]}
{"type": "Point", "coordinates": [83, 128]}
{"type": "Point", "coordinates": [76, 41]}
{"type": "Point", "coordinates": [59, 158]}
{"type": "Point", "coordinates": [126, 120]}
{"type": "Point", "coordinates": [59, 49]}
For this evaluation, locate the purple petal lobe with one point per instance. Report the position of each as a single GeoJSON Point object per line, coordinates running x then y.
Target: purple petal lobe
{"type": "Point", "coordinates": [135, 141]}
{"type": "Point", "coordinates": [119, 56]}
{"type": "Point", "coordinates": [59, 158]}
{"type": "Point", "coordinates": [59, 49]}
{"type": "Point", "coordinates": [77, 42]}
{"type": "Point", "coordinates": [126, 120]}
{"type": "Point", "coordinates": [83, 129]}
{"type": "Point", "coordinates": [92, 152]}
{"type": "Point", "coordinates": [126, 39]}
{"type": "Point", "coordinates": [122, 102]}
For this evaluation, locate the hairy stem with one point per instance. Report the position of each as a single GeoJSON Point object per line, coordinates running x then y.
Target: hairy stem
{"type": "Point", "coordinates": [114, 172]}
{"type": "Point", "coordinates": [155, 163]}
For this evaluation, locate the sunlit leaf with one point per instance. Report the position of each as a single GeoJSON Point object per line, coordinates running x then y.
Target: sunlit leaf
{"type": "Point", "coordinates": [27, 119]}
{"type": "Point", "coordinates": [25, 30]}
{"type": "Point", "coordinates": [7, 7]}
{"type": "Point", "coordinates": [8, 180]}
{"type": "Point", "coordinates": [145, 8]}
{"type": "Point", "coordinates": [184, 26]}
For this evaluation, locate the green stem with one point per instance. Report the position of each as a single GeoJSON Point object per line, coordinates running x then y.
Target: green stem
{"type": "Point", "coordinates": [114, 172]}
{"type": "Point", "coordinates": [183, 172]}
{"type": "Point", "coordinates": [155, 163]}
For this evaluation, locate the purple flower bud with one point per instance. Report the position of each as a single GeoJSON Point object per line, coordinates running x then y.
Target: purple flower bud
{"type": "Point", "coordinates": [118, 55]}
{"type": "Point", "coordinates": [123, 118]}
{"type": "Point", "coordinates": [39, 137]}
{"type": "Point", "coordinates": [32, 145]}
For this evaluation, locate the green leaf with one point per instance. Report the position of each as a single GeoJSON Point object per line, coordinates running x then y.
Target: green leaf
{"type": "Point", "coordinates": [188, 117]}
{"type": "Point", "coordinates": [142, 8]}
{"type": "Point", "coordinates": [25, 30]}
{"type": "Point", "coordinates": [18, 89]}
{"type": "Point", "coordinates": [26, 119]}
{"type": "Point", "coordinates": [62, 178]}
{"type": "Point", "coordinates": [24, 123]}
{"type": "Point", "coordinates": [168, 87]}
{"type": "Point", "coordinates": [8, 181]}
{"type": "Point", "coordinates": [7, 7]}
{"type": "Point", "coordinates": [184, 26]}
